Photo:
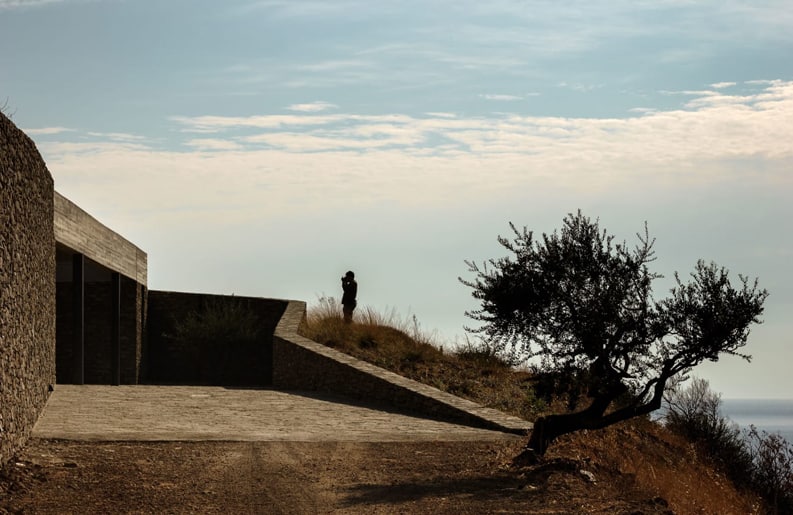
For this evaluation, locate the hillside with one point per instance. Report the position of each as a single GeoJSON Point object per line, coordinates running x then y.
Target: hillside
{"type": "Point", "coordinates": [659, 470]}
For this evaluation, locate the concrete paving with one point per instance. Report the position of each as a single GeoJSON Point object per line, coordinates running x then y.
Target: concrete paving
{"type": "Point", "coordinates": [204, 413]}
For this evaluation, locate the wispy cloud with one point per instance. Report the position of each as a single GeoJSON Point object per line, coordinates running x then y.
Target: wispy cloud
{"type": "Point", "coordinates": [210, 144]}
{"type": "Point", "coordinates": [45, 131]}
{"type": "Point", "coordinates": [18, 4]}
{"type": "Point", "coordinates": [709, 124]}
{"type": "Point", "coordinates": [324, 159]}
{"type": "Point", "coordinates": [331, 65]}
{"type": "Point", "coordinates": [312, 107]}
{"type": "Point", "coordinates": [722, 85]}
{"type": "Point", "coordinates": [498, 97]}
{"type": "Point", "coordinates": [580, 87]}
{"type": "Point", "coordinates": [304, 8]}
{"type": "Point", "coordinates": [117, 136]}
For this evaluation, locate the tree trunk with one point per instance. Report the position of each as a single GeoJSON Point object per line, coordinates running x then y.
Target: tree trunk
{"type": "Point", "coordinates": [549, 428]}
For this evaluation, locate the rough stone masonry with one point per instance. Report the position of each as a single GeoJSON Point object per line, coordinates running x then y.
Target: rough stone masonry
{"type": "Point", "coordinates": [27, 287]}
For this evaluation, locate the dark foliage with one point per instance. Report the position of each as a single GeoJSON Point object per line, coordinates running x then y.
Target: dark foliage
{"type": "Point", "coordinates": [578, 304]}
{"type": "Point", "coordinates": [752, 459]}
{"type": "Point", "coordinates": [221, 340]}
{"type": "Point", "coordinates": [695, 413]}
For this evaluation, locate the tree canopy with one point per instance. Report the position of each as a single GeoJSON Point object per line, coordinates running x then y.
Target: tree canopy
{"type": "Point", "coordinates": [577, 303]}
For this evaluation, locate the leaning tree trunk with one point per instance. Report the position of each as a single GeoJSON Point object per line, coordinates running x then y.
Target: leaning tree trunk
{"type": "Point", "coordinates": [549, 428]}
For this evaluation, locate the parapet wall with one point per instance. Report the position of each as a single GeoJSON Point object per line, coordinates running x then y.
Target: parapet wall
{"type": "Point", "coordinates": [27, 287]}
{"type": "Point", "coordinates": [302, 364]}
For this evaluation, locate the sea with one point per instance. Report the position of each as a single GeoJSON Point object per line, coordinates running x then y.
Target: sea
{"type": "Point", "coordinates": [770, 415]}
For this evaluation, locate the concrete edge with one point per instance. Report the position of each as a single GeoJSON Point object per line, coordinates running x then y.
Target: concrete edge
{"type": "Point", "coordinates": [78, 230]}
{"type": "Point", "coordinates": [399, 391]}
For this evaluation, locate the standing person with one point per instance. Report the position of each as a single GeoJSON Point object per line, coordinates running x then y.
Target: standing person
{"type": "Point", "coordinates": [348, 302]}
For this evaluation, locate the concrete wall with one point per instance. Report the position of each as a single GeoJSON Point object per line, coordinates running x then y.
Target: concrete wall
{"type": "Point", "coordinates": [302, 364]}
{"type": "Point", "coordinates": [206, 360]}
{"type": "Point", "coordinates": [27, 287]}
{"type": "Point", "coordinates": [79, 231]}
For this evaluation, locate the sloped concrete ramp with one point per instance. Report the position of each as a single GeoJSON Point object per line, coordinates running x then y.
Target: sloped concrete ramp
{"type": "Point", "coordinates": [203, 413]}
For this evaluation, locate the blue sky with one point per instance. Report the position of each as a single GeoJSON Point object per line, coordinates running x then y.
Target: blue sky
{"type": "Point", "coordinates": [265, 147]}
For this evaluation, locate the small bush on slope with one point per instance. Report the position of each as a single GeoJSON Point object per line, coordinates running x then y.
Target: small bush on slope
{"type": "Point", "coordinates": [752, 459]}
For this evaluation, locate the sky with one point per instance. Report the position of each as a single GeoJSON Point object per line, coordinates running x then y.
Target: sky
{"type": "Point", "coordinates": [265, 147]}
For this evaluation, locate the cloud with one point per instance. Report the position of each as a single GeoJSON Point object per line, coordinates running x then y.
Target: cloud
{"type": "Point", "coordinates": [17, 4]}
{"type": "Point", "coordinates": [307, 163]}
{"type": "Point", "coordinates": [331, 66]}
{"type": "Point", "coordinates": [722, 85]}
{"type": "Point", "coordinates": [210, 144]}
{"type": "Point", "coordinates": [501, 98]}
{"type": "Point", "coordinates": [312, 107]}
{"type": "Point", "coordinates": [45, 131]}
{"type": "Point", "coordinates": [304, 8]}
{"type": "Point", "coordinates": [580, 87]}
{"type": "Point", "coordinates": [213, 124]}
{"type": "Point", "coordinates": [708, 125]}
{"type": "Point", "coordinates": [117, 136]}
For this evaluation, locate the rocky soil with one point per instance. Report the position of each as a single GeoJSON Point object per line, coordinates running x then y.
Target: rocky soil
{"type": "Point", "coordinates": [308, 477]}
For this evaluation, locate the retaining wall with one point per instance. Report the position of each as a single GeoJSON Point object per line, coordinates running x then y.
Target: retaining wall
{"type": "Point", "coordinates": [302, 364]}
{"type": "Point", "coordinates": [27, 287]}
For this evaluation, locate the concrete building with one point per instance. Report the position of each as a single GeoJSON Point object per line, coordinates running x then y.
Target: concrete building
{"type": "Point", "coordinates": [72, 293]}
{"type": "Point", "coordinates": [75, 308]}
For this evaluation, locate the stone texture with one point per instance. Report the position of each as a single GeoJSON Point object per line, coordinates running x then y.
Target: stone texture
{"type": "Point", "coordinates": [206, 413]}
{"type": "Point", "coordinates": [27, 287]}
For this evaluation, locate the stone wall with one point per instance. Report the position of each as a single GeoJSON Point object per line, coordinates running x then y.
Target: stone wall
{"type": "Point", "coordinates": [27, 287]}
{"type": "Point", "coordinates": [170, 359]}
{"type": "Point", "coordinates": [302, 364]}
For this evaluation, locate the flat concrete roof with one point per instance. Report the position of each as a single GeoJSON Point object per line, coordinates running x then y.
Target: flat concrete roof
{"type": "Point", "coordinates": [81, 232]}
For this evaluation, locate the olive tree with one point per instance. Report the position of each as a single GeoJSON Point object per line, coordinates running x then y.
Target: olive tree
{"type": "Point", "coordinates": [577, 303]}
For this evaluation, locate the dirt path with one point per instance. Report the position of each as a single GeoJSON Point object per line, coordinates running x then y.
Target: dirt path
{"type": "Point", "coordinates": [296, 478]}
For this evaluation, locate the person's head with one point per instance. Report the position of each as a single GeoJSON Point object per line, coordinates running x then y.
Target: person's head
{"type": "Point", "coordinates": [349, 275]}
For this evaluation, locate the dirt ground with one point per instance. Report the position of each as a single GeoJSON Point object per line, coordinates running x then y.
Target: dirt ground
{"type": "Point", "coordinates": [62, 477]}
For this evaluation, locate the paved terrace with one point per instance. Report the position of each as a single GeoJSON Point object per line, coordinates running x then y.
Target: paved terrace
{"type": "Point", "coordinates": [203, 413]}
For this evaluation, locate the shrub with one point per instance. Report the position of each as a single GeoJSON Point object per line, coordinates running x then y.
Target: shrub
{"type": "Point", "coordinates": [218, 338]}
{"type": "Point", "coordinates": [772, 457]}
{"type": "Point", "coordinates": [483, 354]}
{"type": "Point", "coordinates": [752, 459]}
{"type": "Point", "coordinates": [221, 323]}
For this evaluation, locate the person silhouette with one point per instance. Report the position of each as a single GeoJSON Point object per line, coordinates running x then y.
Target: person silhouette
{"type": "Point", "coordinates": [348, 302]}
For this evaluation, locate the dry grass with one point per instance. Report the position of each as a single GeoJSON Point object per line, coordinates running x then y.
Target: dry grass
{"type": "Point", "coordinates": [644, 455]}
{"type": "Point", "coordinates": [399, 345]}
